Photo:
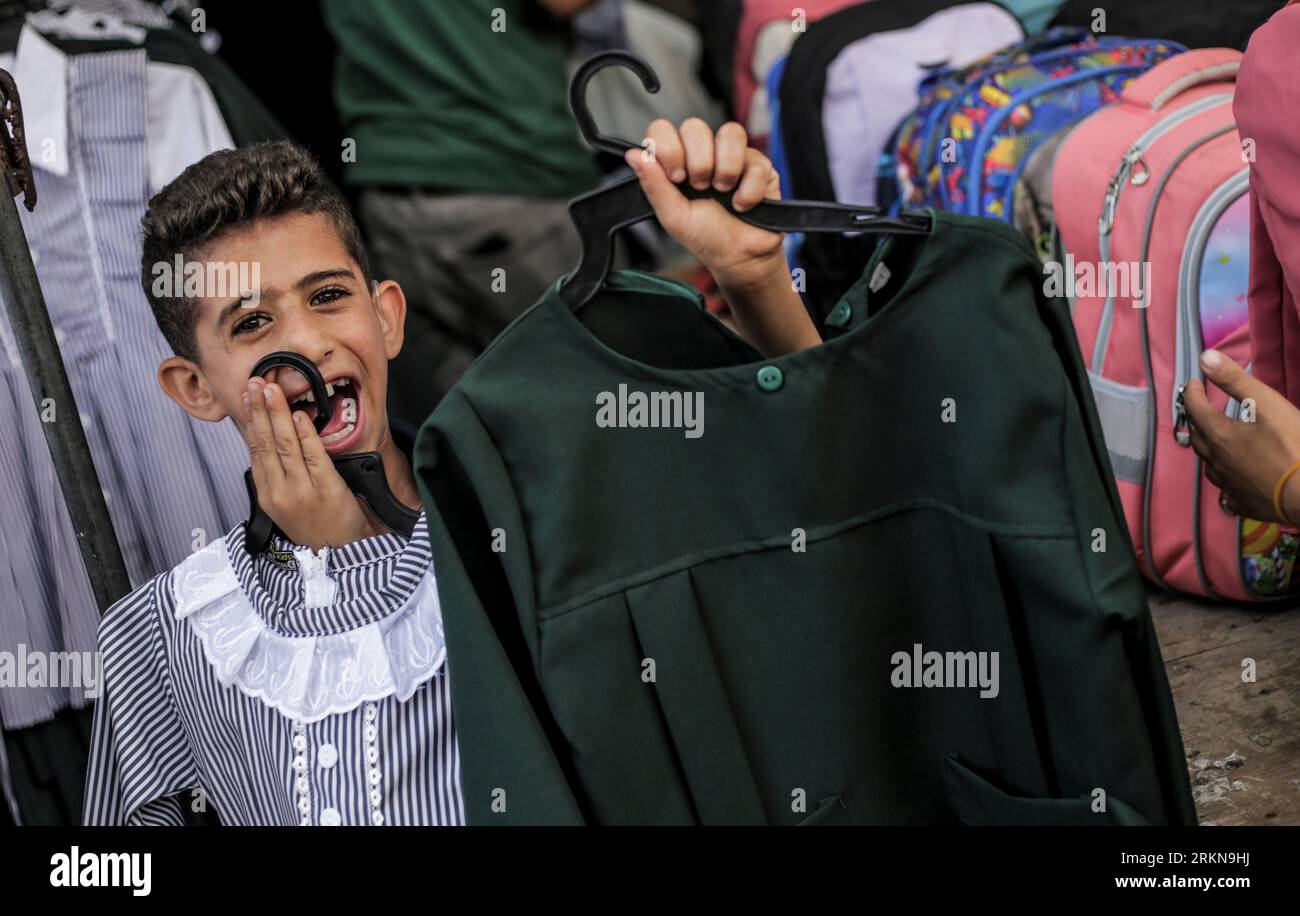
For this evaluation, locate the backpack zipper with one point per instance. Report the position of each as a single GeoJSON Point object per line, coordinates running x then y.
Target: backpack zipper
{"type": "Point", "coordinates": [1147, 228]}
{"type": "Point", "coordinates": [1190, 337]}
{"type": "Point", "coordinates": [1188, 333]}
{"type": "Point", "coordinates": [1134, 155]}
{"type": "Point", "coordinates": [1182, 427]}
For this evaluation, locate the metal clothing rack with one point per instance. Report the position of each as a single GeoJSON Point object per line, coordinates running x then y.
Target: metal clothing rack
{"type": "Point", "coordinates": [43, 364]}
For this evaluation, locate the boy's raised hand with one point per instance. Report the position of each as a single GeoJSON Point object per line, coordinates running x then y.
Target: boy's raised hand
{"type": "Point", "coordinates": [297, 484]}
{"type": "Point", "coordinates": [735, 252]}
{"type": "Point", "coordinates": [748, 262]}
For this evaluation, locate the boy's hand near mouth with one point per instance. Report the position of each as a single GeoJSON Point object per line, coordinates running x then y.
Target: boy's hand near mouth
{"type": "Point", "coordinates": [748, 262]}
{"type": "Point", "coordinates": [297, 485]}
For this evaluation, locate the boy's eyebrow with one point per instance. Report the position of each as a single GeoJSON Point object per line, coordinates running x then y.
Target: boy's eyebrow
{"type": "Point", "coordinates": [333, 273]}
{"type": "Point", "coordinates": [311, 279]}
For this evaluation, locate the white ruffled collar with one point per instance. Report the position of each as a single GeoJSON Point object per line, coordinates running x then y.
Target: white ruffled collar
{"type": "Point", "coordinates": [307, 677]}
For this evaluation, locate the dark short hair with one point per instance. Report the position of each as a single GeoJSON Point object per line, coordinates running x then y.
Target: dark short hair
{"type": "Point", "coordinates": [221, 192]}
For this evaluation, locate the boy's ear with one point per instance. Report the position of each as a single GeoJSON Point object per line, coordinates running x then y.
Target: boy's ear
{"type": "Point", "coordinates": [390, 303]}
{"type": "Point", "coordinates": [184, 383]}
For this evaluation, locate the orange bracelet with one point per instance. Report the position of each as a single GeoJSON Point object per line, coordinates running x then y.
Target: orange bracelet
{"type": "Point", "coordinates": [1277, 494]}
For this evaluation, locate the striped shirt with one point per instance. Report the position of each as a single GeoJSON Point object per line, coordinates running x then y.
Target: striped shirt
{"type": "Point", "coordinates": [287, 688]}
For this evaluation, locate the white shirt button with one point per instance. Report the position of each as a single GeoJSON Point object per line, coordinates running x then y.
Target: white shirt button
{"type": "Point", "coordinates": [300, 764]}
{"type": "Point", "coordinates": [374, 777]}
{"type": "Point", "coordinates": [376, 797]}
{"type": "Point", "coordinates": [378, 818]}
{"type": "Point", "coordinates": [304, 807]}
{"type": "Point", "coordinates": [327, 755]}
{"type": "Point", "coordinates": [330, 817]}
{"type": "Point", "coordinates": [372, 754]}
{"type": "Point", "coordinates": [371, 733]}
{"type": "Point", "coordinates": [299, 743]}
{"type": "Point", "coordinates": [371, 712]}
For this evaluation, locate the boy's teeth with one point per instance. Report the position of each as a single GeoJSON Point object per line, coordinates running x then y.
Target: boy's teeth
{"type": "Point", "coordinates": [329, 389]}
{"type": "Point", "coordinates": [308, 397]}
{"type": "Point", "coordinates": [340, 435]}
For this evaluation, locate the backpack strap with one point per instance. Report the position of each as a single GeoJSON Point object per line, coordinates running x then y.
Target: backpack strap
{"type": "Point", "coordinates": [1167, 80]}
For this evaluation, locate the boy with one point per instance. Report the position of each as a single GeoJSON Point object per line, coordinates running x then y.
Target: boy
{"type": "Point", "coordinates": [306, 684]}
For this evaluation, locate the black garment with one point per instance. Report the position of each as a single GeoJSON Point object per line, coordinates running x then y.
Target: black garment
{"type": "Point", "coordinates": [12, 15]}
{"type": "Point", "coordinates": [48, 765]}
{"type": "Point", "coordinates": [1194, 23]}
{"type": "Point", "coordinates": [295, 90]}
{"type": "Point", "coordinates": [719, 28]}
{"type": "Point", "coordinates": [248, 120]}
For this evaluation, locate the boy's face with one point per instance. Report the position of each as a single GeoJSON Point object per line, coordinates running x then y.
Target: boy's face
{"type": "Point", "coordinates": [311, 299]}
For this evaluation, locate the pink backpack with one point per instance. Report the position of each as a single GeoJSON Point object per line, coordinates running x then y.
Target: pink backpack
{"type": "Point", "coordinates": [1153, 212]}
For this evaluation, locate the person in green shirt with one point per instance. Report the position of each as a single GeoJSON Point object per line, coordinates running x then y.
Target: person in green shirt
{"type": "Point", "coordinates": [459, 140]}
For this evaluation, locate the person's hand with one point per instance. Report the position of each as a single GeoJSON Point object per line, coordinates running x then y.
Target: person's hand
{"type": "Point", "coordinates": [736, 253]}
{"type": "Point", "coordinates": [297, 484]}
{"type": "Point", "coordinates": [748, 263]}
{"type": "Point", "coordinates": [1245, 459]}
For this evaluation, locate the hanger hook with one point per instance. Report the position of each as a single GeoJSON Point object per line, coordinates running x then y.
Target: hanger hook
{"type": "Point", "coordinates": [578, 96]}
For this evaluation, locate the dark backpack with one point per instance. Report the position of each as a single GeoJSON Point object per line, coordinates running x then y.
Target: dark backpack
{"type": "Point", "coordinates": [1193, 23]}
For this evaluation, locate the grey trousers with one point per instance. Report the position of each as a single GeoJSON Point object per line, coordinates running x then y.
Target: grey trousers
{"type": "Point", "coordinates": [469, 265]}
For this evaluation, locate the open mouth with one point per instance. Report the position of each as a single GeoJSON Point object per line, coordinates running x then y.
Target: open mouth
{"type": "Point", "coordinates": [345, 425]}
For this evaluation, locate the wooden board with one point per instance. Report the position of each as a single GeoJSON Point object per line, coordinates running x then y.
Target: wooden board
{"type": "Point", "coordinates": [1242, 738]}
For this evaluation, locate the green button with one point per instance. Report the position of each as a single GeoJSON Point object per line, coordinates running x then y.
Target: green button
{"type": "Point", "coordinates": [840, 315]}
{"type": "Point", "coordinates": [770, 378]}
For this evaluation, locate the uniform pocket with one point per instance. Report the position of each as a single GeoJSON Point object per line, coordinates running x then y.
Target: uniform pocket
{"type": "Point", "coordinates": [976, 802]}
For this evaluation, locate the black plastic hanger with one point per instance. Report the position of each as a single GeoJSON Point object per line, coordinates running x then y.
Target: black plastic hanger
{"type": "Point", "coordinates": [362, 472]}
{"type": "Point", "coordinates": [600, 213]}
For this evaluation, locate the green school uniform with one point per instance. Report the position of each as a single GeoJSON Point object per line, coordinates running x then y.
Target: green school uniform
{"type": "Point", "coordinates": [791, 612]}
